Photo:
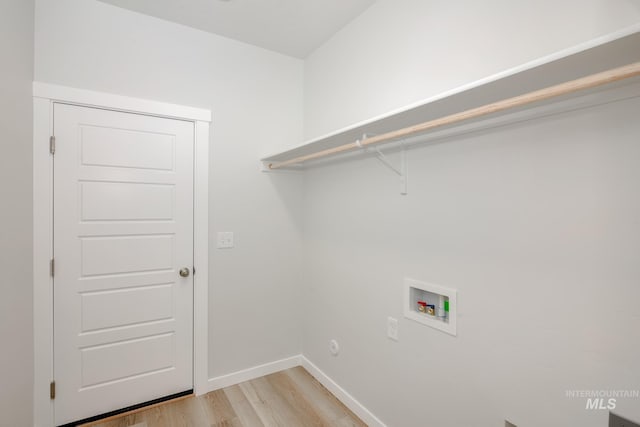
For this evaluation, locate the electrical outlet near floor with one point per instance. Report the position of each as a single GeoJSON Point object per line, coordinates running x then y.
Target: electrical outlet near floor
{"type": "Point", "coordinates": [392, 328]}
{"type": "Point", "coordinates": [617, 421]}
{"type": "Point", "coordinates": [334, 347]}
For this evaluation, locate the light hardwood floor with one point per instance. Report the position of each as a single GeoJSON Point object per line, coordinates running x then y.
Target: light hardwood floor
{"type": "Point", "coordinates": [291, 398]}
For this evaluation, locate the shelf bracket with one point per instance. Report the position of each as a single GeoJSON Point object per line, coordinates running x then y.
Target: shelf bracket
{"type": "Point", "coordinates": [401, 172]}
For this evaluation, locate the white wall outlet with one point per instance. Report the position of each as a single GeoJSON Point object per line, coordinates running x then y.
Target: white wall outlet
{"type": "Point", "coordinates": [392, 328]}
{"type": "Point", "coordinates": [334, 347]}
{"type": "Point", "coordinates": [225, 239]}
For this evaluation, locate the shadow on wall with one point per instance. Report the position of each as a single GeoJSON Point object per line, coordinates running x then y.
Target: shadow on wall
{"type": "Point", "coordinates": [288, 185]}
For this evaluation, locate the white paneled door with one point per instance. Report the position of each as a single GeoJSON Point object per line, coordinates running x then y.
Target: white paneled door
{"type": "Point", "coordinates": [123, 248]}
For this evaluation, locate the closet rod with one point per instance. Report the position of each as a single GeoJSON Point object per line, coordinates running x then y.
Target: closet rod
{"type": "Point", "coordinates": [583, 83]}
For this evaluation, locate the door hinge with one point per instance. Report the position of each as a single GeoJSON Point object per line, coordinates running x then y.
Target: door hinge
{"type": "Point", "coordinates": [52, 144]}
{"type": "Point", "coordinates": [52, 267]}
{"type": "Point", "coordinates": [52, 390]}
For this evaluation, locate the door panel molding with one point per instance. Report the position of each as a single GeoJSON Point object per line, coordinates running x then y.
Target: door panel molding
{"type": "Point", "coordinates": [45, 95]}
{"type": "Point", "coordinates": [119, 362]}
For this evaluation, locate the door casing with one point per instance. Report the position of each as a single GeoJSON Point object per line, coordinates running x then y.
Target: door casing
{"type": "Point", "coordinates": [44, 96]}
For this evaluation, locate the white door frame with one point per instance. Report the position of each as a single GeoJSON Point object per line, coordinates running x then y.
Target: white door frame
{"type": "Point", "coordinates": [44, 96]}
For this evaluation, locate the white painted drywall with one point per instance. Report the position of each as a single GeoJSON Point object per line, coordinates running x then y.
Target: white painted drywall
{"type": "Point", "coordinates": [16, 123]}
{"type": "Point", "coordinates": [403, 51]}
{"type": "Point", "coordinates": [535, 225]}
{"type": "Point", "coordinates": [542, 214]}
{"type": "Point", "coordinates": [256, 100]}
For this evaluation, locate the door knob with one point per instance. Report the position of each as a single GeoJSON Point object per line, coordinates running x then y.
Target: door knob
{"type": "Point", "coordinates": [184, 272]}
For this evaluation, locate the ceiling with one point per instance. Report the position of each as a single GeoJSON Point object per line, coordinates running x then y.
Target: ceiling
{"type": "Point", "coordinates": [292, 27]}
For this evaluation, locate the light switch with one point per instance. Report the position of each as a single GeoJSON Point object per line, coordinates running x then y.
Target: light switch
{"type": "Point", "coordinates": [225, 239]}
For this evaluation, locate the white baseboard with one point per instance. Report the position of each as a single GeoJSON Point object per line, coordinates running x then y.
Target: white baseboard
{"type": "Point", "coordinates": [349, 401]}
{"type": "Point", "coordinates": [291, 362]}
{"type": "Point", "coordinates": [253, 373]}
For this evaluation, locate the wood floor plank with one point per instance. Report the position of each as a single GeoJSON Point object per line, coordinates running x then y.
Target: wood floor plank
{"type": "Point", "coordinates": [286, 388]}
{"type": "Point", "coordinates": [262, 409]}
{"type": "Point", "coordinates": [157, 417]}
{"type": "Point", "coordinates": [153, 417]}
{"type": "Point", "coordinates": [326, 403]}
{"type": "Point", "coordinates": [242, 407]}
{"type": "Point", "coordinates": [137, 417]}
{"type": "Point", "coordinates": [279, 406]}
{"type": "Point", "coordinates": [131, 420]}
{"type": "Point", "coordinates": [127, 419]}
{"type": "Point", "coordinates": [217, 407]}
{"type": "Point", "coordinates": [235, 422]}
{"type": "Point", "coordinates": [291, 398]}
{"type": "Point", "coordinates": [186, 413]}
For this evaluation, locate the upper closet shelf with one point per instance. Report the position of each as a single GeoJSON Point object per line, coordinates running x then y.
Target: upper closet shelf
{"type": "Point", "coordinates": [574, 78]}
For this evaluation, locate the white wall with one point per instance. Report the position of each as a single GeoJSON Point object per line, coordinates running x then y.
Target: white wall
{"type": "Point", "coordinates": [403, 51]}
{"type": "Point", "coordinates": [535, 225]}
{"type": "Point", "coordinates": [548, 223]}
{"type": "Point", "coordinates": [256, 99]}
{"type": "Point", "coordinates": [16, 307]}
